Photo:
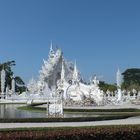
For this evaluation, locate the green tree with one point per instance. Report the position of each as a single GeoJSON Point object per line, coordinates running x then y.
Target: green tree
{"type": "Point", "coordinates": [20, 85]}
{"type": "Point", "coordinates": [131, 79]}
{"type": "Point", "coordinates": [105, 86]}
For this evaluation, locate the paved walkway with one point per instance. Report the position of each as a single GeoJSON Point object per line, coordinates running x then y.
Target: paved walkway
{"type": "Point", "coordinates": [133, 120]}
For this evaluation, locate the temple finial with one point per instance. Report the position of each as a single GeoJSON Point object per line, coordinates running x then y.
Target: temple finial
{"type": "Point", "coordinates": [51, 46]}
{"type": "Point", "coordinates": [51, 53]}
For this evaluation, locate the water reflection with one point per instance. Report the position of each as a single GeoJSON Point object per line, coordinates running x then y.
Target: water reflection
{"type": "Point", "coordinates": [11, 111]}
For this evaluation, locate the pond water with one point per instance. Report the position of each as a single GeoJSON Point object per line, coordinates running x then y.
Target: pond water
{"type": "Point", "coordinates": [12, 111]}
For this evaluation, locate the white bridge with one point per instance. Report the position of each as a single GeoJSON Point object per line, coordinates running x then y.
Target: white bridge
{"type": "Point", "coordinates": [30, 100]}
{"type": "Point", "coordinates": [33, 101]}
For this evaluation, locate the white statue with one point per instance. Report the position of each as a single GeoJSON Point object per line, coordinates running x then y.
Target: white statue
{"type": "Point", "coordinates": [95, 81]}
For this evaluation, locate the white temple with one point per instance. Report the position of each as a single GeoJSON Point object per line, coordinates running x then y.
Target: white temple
{"type": "Point", "coordinates": [58, 76]}
{"type": "Point", "coordinates": [59, 80]}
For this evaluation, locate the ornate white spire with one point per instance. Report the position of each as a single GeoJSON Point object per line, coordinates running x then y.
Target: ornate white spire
{"type": "Point", "coordinates": [51, 52]}
{"type": "Point", "coordinates": [62, 72]}
{"type": "Point", "coordinates": [118, 78]}
{"type": "Point", "coordinates": [75, 73]}
{"type": "Point", "coordinates": [119, 82]}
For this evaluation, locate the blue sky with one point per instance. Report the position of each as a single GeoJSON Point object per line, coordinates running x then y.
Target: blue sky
{"type": "Point", "coordinates": [101, 35]}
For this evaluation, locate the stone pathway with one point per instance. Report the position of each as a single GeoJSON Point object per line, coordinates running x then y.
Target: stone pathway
{"type": "Point", "coordinates": [128, 121]}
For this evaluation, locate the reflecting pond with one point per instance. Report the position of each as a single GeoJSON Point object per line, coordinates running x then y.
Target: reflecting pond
{"type": "Point", "coordinates": [12, 111]}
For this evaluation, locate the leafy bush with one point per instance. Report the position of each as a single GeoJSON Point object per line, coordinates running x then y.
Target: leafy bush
{"type": "Point", "coordinates": [128, 132]}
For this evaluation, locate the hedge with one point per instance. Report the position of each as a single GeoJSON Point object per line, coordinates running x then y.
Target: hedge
{"type": "Point", "coordinates": [128, 132]}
